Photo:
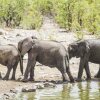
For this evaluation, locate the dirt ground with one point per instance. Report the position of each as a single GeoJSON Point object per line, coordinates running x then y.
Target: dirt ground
{"type": "Point", "coordinates": [49, 31]}
{"type": "Point", "coordinates": [42, 73]}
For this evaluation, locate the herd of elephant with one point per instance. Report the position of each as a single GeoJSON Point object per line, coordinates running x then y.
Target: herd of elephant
{"type": "Point", "coordinates": [52, 54]}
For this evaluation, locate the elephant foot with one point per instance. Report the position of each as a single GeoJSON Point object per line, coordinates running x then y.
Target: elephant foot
{"type": "Point", "coordinates": [13, 78]}
{"type": "Point", "coordinates": [5, 78]}
{"type": "Point", "coordinates": [78, 80]}
{"type": "Point", "coordinates": [65, 81]}
{"type": "Point", "coordinates": [88, 78]}
{"type": "Point", "coordinates": [31, 79]}
{"type": "Point", "coordinates": [72, 80]}
{"type": "Point", "coordinates": [97, 76]}
{"type": "Point", "coordinates": [24, 80]}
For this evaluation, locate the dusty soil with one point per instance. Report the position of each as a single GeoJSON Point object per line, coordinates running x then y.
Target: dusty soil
{"type": "Point", "coordinates": [49, 31]}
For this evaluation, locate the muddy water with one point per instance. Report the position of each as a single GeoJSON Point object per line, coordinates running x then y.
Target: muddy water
{"type": "Point", "coordinates": [77, 91]}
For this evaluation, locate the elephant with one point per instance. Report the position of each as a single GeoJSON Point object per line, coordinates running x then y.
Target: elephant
{"type": "Point", "coordinates": [88, 51]}
{"type": "Point", "coordinates": [49, 53]}
{"type": "Point", "coordinates": [10, 56]}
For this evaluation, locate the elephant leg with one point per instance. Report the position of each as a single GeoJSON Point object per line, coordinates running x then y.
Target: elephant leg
{"type": "Point", "coordinates": [83, 62]}
{"type": "Point", "coordinates": [80, 72]}
{"type": "Point", "coordinates": [8, 72]}
{"type": "Point", "coordinates": [64, 75]}
{"type": "Point", "coordinates": [32, 71]}
{"type": "Point", "coordinates": [28, 69]}
{"type": "Point", "coordinates": [14, 71]}
{"type": "Point", "coordinates": [62, 68]}
{"type": "Point", "coordinates": [69, 74]}
{"type": "Point", "coordinates": [87, 71]}
{"type": "Point", "coordinates": [68, 70]}
{"type": "Point", "coordinates": [98, 73]}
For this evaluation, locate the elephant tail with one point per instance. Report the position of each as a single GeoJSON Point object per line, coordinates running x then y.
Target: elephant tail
{"type": "Point", "coordinates": [21, 61]}
{"type": "Point", "coordinates": [67, 61]}
{"type": "Point", "coordinates": [0, 76]}
{"type": "Point", "coordinates": [21, 64]}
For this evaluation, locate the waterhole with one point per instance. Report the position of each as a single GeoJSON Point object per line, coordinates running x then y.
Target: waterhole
{"type": "Point", "coordinates": [76, 91]}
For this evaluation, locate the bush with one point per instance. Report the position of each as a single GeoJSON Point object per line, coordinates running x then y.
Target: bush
{"type": "Point", "coordinates": [73, 15]}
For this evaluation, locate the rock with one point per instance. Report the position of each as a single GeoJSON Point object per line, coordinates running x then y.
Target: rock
{"type": "Point", "coordinates": [58, 82]}
{"type": "Point", "coordinates": [13, 91]}
{"type": "Point", "coordinates": [66, 82]}
{"type": "Point", "coordinates": [18, 34]}
{"type": "Point", "coordinates": [6, 95]}
{"type": "Point", "coordinates": [40, 86]}
{"type": "Point", "coordinates": [29, 89]}
{"type": "Point", "coordinates": [53, 81]}
{"type": "Point", "coordinates": [48, 84]}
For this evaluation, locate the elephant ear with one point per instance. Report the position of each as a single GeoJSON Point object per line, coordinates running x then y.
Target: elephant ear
{"type": "Point", "coordinates": [20, 45]}
{"type": "Point", "coordinates": [83, 48]}
{"type": "Point", "coordinates": [25, 45]}
{"type": "Point", "coordinates": [72, 49]}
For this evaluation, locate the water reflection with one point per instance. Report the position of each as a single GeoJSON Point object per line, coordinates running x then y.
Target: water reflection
{"type": "Point", "coordinates": [77, 91]}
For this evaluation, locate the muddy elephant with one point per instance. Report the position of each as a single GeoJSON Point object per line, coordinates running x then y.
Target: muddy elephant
{"type": "Point", "coordinates": [49, 53]}
{"type": "Point", "coordinates": [10, 56]}
{"type": "Point", "coordinates": [87, 51]}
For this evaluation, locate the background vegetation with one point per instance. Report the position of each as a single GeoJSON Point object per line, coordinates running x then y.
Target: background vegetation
{"type": "Point", "coordinates": [73, 15]}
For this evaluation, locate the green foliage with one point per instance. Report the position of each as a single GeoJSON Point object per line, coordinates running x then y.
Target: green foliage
{"type": "Point", "coordinates": [79, 35]}
{"type": "Point", "coordinates": [11, 12]}
{"type": "Point", "coordinates": [32, 18]}
{"type": "Point", "coordinates": [59, 12]}
{"type": "Point", "coordinates": [73, 15]}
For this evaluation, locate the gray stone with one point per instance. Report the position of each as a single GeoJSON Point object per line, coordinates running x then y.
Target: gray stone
{"type": "Point", "coordinates": [40, 86]}
{"type": "Point", "coordinates": [13, 91]}
{"type": "Point", "coordinates": [48, 84]}
{"type": "Point", "coordinates": [29, 89]}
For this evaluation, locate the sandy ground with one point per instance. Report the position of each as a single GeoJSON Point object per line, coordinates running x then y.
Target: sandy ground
{"type": "Point", "coordinates": [49, 31]}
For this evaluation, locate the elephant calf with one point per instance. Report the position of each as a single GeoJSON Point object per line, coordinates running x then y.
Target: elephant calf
{"type": "Point", "coordinates": [9, 56]}
{"type": "Point", "coordinates": [88, 51]}
{"type": "Point", "coordinates": [49, 53]}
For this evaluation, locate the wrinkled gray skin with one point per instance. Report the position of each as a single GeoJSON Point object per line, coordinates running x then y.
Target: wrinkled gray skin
{"type": "Point", "coordinates": [9, 56]}
{"type": "Point", "coordinates": [87, 51]}
{"type": "Point", "coordinates": [49, 53]}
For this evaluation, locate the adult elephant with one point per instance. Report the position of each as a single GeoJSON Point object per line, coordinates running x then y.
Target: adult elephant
{"type": "Point", "coordinates": [49, 53]}
{"type": "Point", "coordinates": [87, 51]}
{"type": "Point", "coordinates": [10, 56]}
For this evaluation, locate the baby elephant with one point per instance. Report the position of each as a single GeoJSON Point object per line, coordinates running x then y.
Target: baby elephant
{"type": "Point", "coordinates": [87, 51]}
{"type": "Point", "coordinates": [9, 56]}
{"type": "Point", "coordinates": [49, 53]}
